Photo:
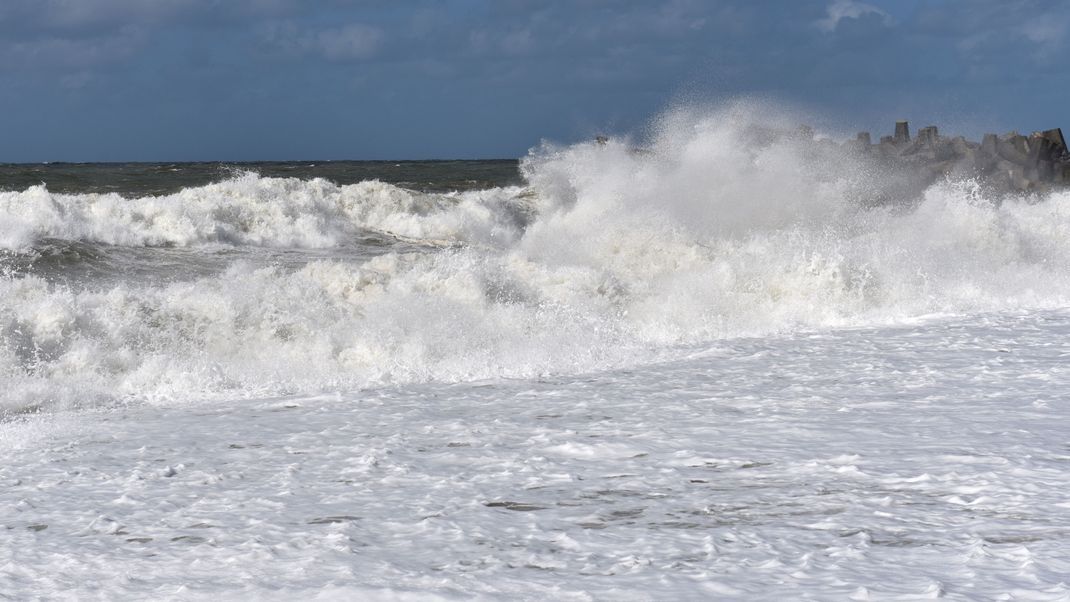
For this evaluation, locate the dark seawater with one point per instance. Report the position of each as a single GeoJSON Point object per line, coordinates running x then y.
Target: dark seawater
{"type": "Point", "coordinates": [145, 179]}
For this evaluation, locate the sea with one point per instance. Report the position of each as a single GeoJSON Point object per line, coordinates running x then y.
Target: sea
{"type": "Point", "coordinates": [696, 364]}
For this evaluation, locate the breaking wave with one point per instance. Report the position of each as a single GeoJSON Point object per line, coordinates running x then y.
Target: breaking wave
{"type": "Point", "coordinates": [609, 257]}
{"type": "Point", "coordinates": [257, 211]}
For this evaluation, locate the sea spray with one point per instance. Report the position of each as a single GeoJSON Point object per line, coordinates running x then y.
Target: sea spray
{"type": "Point", "coordinates": [611, 256]}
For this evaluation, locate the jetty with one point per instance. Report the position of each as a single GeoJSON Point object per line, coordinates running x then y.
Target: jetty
{"type": "Point", "coordinates": [1012, 161]}
{"type": "Point", "coordinates": [902, 166]}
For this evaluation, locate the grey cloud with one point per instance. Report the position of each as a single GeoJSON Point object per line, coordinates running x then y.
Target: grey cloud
{"type": "Point", "coordinates": [987, 32]}
{"type": "Point", "coordinates": [351, 42]}
{"type": "Point", "coordinates": [355, 41]}
{"type": "Point", "coordinates": [1048, 32]}
{"type": "Point", "coordinates": [71, 53]}
{"type": "Point", "coordinates": [838, 10]}
{"type": "Point", "coordinates": [518, 42]}
{"type": "Point", "coordinates": [88, 17]}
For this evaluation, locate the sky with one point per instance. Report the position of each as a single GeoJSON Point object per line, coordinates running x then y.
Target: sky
{"type": "Point", "coordinates": [172, 80]}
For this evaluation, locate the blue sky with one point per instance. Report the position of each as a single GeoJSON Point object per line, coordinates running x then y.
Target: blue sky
{"type": "Point", "coordinates": [113, 80]}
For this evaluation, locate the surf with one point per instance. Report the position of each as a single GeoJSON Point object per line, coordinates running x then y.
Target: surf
{"type": "Point", "coordinates": [605, 258]}
{"type": "Point", "coordinates": [250, 210]}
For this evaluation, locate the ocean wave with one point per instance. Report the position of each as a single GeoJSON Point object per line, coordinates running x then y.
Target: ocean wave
{"type": "Point", "coordinates": [259, 211]}
{"type": "Point", "coordinates": [629, 257]}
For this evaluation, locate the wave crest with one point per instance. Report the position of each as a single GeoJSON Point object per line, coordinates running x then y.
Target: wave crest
{"type": "Point", "coordinates": [252, 210]}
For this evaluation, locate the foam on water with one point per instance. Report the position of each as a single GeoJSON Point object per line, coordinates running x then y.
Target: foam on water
{"type": "Point", "coordinates": [898, 463]}
{"type": "Point", "coordinates": [610, 258]}
{"type": "Point", "coordinates": [251, 210]}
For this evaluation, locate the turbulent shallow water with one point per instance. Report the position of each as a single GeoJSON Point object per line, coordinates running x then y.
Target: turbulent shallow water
{"type": "Point", "coordinates": [716, 367]}
{"type": "Point", "coordinates": [905, 462]}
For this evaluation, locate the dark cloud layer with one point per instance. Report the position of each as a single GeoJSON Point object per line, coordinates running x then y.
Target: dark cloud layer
{"type": "Point", "coordinates": [247, 79]}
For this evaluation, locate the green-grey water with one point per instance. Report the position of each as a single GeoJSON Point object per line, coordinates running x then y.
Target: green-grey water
{"type": "Point", "coordinates": [141, 179]}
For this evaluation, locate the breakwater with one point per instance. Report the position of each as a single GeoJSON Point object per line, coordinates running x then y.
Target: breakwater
{"type": "Point", "coordinates": [1012, 162]}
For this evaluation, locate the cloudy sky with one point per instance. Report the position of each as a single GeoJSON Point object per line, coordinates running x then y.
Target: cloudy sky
{"type": "Point", "coordinates": [106, 80]}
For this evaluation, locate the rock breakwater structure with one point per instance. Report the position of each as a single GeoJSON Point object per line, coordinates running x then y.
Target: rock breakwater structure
{"type": "Point", "coordinates": [898, 169]}
{"type": "Point", "coordinates": [1011, 162]}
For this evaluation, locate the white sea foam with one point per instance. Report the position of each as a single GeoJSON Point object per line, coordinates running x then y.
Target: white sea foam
{"type": "Point", "coordinates": [626, 257]}
{"type": "Point", "coordinates": [899, 463]}
{"type": "Point", "coordinates": [259, 211]}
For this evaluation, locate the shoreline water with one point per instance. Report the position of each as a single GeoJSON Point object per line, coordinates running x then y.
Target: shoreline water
{"type": "Point", "coordinates": [905, 462]}
{"type": "Point", "coordinates": [709, 370]}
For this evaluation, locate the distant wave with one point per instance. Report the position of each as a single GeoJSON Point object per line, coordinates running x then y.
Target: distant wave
{"type": "Point", "coordinates": [617, 258]}
{"type": "Point", "coordinates": [252, 210]}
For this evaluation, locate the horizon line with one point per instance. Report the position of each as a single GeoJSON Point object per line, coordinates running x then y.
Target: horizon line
{"type": "Point", "coordinates": [249, 161]}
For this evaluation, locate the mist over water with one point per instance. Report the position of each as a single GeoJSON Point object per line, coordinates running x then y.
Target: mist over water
{"type": "Point", "coordinates": [604, 257]}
